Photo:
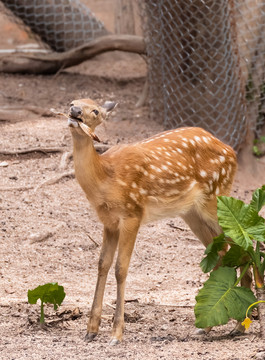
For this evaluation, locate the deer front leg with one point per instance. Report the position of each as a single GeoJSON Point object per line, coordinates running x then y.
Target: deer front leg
{"type": "Point", "coordinates": [109, 245]}
{"type": "Point", "coordinates": [127, 239]}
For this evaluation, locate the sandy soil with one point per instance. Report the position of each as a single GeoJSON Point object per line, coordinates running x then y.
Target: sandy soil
{"type": "Point", "coordinates": [164, 275]}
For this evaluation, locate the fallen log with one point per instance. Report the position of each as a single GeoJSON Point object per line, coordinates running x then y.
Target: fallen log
{"type": "Point", "coordinates": [100, 148]}
{"type": "Point", "coordinates": [51, 62]}
{"type": "Point", "coordinates": [18, 113]}
{"type": "Point", "coordinates": [44, 150]}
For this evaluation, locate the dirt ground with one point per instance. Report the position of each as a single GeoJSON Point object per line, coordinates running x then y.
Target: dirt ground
{"type": "Point", "coordinates": [164, 274]}
{"type": "Point", "coordinates": [49, 233]}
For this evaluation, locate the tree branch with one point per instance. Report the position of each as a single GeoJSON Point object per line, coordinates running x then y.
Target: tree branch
{"type": "Point", "coordinates": [51, 62]}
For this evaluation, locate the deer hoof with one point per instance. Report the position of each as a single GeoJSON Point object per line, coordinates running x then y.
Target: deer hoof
{"type": "Point", "coordinates": [204, 331]}
{"type": "Point", "coordinates": [200, 332]}
{"type": "Point", "coordinates": [114, 342]}
{"type": "Point", "coordinates": [236, 332]}
{"type": "Point", "coordinates": [90, 337]}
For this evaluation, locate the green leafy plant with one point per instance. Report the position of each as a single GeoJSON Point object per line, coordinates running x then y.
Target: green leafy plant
{"type": "Point", "coordinates": [258, 146]}
{"type": "Point", "coordinates": [221, 297]}
{"type": "Point", "coordinates": [50, 293]}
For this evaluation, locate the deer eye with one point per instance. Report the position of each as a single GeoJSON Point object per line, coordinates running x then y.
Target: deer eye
{"type": "Point", "coordinates": [96, 112]}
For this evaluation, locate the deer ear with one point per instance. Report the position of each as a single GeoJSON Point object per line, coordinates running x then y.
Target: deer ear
{"type": "Point", "coordinates": [108, 106]}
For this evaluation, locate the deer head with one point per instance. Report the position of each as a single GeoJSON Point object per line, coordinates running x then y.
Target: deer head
{"type": "Point", "coordinates": [86, 111]}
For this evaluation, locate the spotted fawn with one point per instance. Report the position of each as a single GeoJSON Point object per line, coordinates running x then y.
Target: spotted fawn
{"type": "Point", "coordinates": [174, 173]}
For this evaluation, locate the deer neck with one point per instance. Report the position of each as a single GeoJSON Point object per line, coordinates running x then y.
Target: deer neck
{"type": "Point", "coordinates": [89, 170]}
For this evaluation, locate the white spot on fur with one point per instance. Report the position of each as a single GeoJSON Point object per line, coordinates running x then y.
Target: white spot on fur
{"type": "Point", "coordinates": [197, 138]}
{"type": "Point", "coordinates": [185, 144]}
{"type": "Point", "coordinates": [223, 171]}
{"type": "Point", "coordinates": [133, 196]}
{"type": "Point", "coordinates": [205, 139]}
{"type": "Point", "coordinates": [164, 167]}
{"type": "Point", "coordinates": [211, 185]}
{"type": "Point", "coordinates": [142, 191]}
{"type": "Point", "coordinates": [203, 173]}
{"type": "Point", "coordinates": [179, 150]}
{"type": "Point", "coordinates": [121, 182]}
{"type": "Point", "coordinates": [155, 157]}
{"type": "Point", "coordinates": [222, 159]}
{"type": "Point", "coordinates": [217, 191]}
{"type": "Point", "coordinates": [192, 142]}
{"type": "Point", "coordinates": [215, 175]}
{"type": "Point", "coordinates": [134, 185]}
{"type": "Point", "coordinates": [192, 184]}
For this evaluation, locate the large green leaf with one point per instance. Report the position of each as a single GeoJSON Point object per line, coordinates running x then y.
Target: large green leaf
{"type": "Point", "coordinates": [51, 293]}
{"type": "Point", "coordinates": [240, 221]}
{"type": "Point", "coordinates": [219, 300]}
{"type": "Point", "coordinates": [212, 257]}
{"type": "Point", "coordinates": [258, 199]}
{"type": "Point", "coordinates": [235, 256]}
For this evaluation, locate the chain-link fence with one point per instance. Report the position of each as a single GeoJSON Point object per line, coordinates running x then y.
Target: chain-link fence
{"type": "Point", "coordinates": [206, 58]}
{"type": "Point", "coordinates": [206, 64]}
{"type": "Point", "coordinates": [62, 24]}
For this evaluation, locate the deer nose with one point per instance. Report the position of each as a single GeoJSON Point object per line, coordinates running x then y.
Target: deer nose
{"type": "Point", "coordinates": [75, 111]}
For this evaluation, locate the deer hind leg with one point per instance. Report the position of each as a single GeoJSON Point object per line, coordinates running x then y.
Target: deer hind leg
{"type": "Point", "coordinates": [203, 222]}
{"type": "Point", "coordinates": [204, 225]}
{"type": "Point", "coordinates": [127, 238]}
{"type": "Point", "coordinates": [109, 245]}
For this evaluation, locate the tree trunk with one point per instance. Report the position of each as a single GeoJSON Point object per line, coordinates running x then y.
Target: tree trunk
{"type": "Point", "coordinates": [124, 17]}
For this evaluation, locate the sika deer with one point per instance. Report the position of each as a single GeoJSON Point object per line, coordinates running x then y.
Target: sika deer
{"type": "Point", "coordinates": [175, 173]}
